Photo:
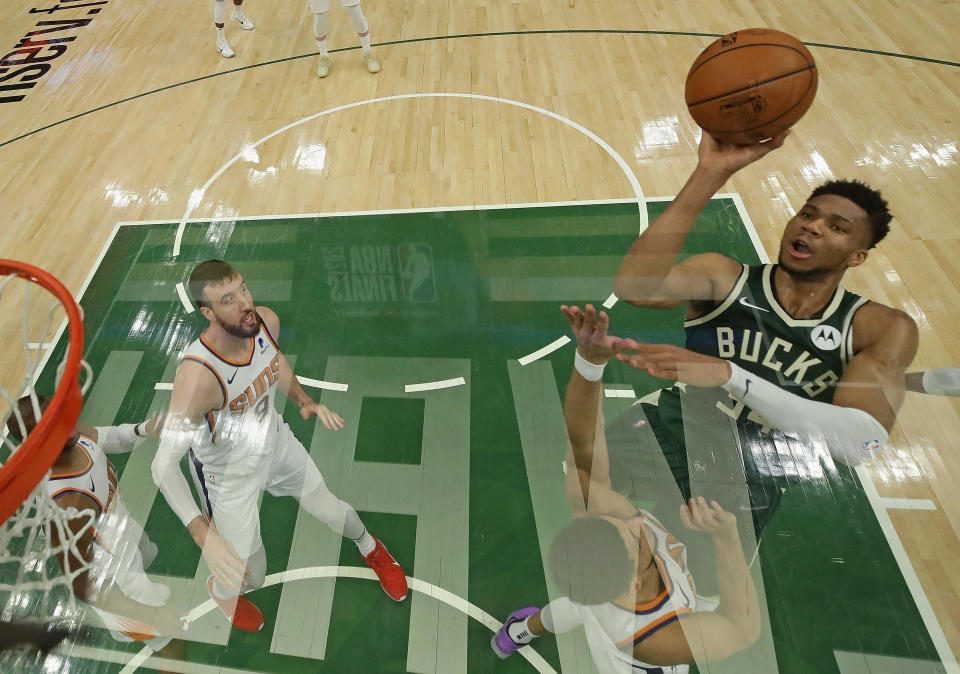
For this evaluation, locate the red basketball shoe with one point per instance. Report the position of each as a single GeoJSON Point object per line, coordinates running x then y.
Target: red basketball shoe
{"type": "Point", "coordinates": [392, 580]}
{"type": "Point", "coordinates": [239, 611]}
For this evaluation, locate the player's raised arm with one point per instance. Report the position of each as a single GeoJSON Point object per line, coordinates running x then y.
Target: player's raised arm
{"type": "Point", "coordinates": [703, 636]}
{"type": "Point", "coordinates": [588, 465]}
{"type": "Point", "coordinates": [292, 388]}
{"type": "Point", "coordinates": [649, 275]}
{"type": "Point", "coordinates": [123, 438]}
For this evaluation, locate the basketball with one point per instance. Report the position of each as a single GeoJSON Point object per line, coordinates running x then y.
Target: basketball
{"type": "Point", "coordinates": [750, 85]}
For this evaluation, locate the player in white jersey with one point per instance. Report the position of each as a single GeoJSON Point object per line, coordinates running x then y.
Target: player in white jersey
{"type": "Point", "coordinates": [624, 576]}
{"type": "Point", "coordinates": [115, 546]}
{"type": "Point", "coordinates": [222, 412]}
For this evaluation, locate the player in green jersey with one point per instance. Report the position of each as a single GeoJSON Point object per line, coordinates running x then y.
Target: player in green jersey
{"type": "Point", "coordinates": [786, 371]}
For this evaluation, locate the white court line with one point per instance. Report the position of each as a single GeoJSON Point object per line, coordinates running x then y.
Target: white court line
{"type": "Point", "coordinates": [391, 211]}
{"type": "Point", "coordinates": [549, 348]}
{"type": "Point", "coordinates": [197, 196]}
{"type": "Point", "coordinates": [619, 393]}
{"type": "Point", "coordinates": [910, 577]}
{"type": "Point", "coordinates": [163, 386]}
{"type": "Point", "coordinates": [748, 223]}
{"type": "Point", "coordinates": [907, 503]}
{"type": "Point", "coordinates": [182, 292]}
{"type": "Point", "coordinates": [438, 593]}
{"type": "Point", "coordinates": [39, 345]}
{"type": "Point", "coordinates": [610, 301]}
{"type": "Point", "coordinates": [434, 385]}
{"type": "Point", "coordinates": [325, 385]}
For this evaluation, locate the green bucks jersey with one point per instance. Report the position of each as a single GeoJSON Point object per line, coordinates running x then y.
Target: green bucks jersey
{"type": "Point", "coordinates": [750, 328]}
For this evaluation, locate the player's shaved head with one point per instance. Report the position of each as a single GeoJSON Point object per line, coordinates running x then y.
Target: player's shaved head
{"type": "Point", "coordinates": [30, 421]}
{"type": "Point", "coordinates": [590, 563]}
{"type": "Point", "coordinates": [210, 272]}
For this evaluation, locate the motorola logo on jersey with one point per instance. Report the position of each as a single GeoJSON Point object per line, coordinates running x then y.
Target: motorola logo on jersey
{"type": "Point", "coordinates": [826, 337]}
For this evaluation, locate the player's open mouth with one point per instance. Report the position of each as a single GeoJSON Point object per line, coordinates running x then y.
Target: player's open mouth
{"type": "Point", "coordinates": [799, 249]}
{"type": "Point", "coordinates": [249, 320]}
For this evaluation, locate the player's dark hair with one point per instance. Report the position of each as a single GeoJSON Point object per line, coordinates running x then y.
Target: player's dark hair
{"type": "Point", "coordinates": [30, 421]}
{"type": "Point", "coordinates": [205, 273]}
{"type": "Point", "coordinates": [590, 563]}
{"type": "Point", "coordinates": [867, 198]}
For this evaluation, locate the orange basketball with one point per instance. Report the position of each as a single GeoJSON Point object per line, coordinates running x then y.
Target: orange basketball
{"type": "Point", "coordinates": [750, 85]}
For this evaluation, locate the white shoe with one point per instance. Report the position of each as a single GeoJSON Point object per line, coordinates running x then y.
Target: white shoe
{"type": "Point", "coordinates": [239, 17]}
{"type": "Point", "coordinates": [224, 48]}
{"type": "Point", "coordinates": [373, 66]}
{"type": "Point", "coordinates": [323, 66]}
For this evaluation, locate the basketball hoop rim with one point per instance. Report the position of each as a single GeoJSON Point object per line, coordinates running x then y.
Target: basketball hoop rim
{"type": "Point", "coordinates": [43, 444]}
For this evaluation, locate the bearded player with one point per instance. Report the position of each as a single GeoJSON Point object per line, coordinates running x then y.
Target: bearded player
{"type": "Point", "coordinates": [222, 411]}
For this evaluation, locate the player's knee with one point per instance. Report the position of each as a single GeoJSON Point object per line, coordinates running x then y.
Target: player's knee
{"type": "Point", "coordinates": [319, 6]}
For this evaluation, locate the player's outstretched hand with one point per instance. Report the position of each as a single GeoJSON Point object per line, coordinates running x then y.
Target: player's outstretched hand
{"type": "Point", "coordinates": [729, 158]}
{"type": "Point", "coordinates": [330, 419]}
{"type": "Point", "coordinates": [698, 515]}
{"type": "Point", "coordinates": [224, 562]}
{"type": "Point", "coordinates": [590, 331]}
{"type": "Point", "coordinates": [666, 361]}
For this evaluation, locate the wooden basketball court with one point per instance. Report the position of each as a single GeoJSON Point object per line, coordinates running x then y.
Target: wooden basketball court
{"type": "Point", "coordinates": [137, 119]}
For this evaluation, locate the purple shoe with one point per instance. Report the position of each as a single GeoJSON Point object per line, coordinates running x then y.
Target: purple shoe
{"type": "Point", "coordinates": [501, 643]}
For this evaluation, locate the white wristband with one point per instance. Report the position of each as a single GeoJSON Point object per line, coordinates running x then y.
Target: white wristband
{"type": "Point", "coordinates": [737, 384]}
{"type": "Point", "coordinates": [589, 371]}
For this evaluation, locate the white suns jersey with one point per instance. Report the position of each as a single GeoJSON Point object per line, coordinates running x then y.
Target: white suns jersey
{"type": "Point", "coordinates": [614, 628]}
{"type": "Point", "coordinates": [247, 424]}
{"type": "Point", "coordinates": [97, 480]}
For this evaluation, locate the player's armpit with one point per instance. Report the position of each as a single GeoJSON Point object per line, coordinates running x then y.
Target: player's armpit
{"type": "Point", "coordinates": [697, 637]}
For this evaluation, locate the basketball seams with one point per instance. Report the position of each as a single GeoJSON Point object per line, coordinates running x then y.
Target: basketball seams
{"type": "Point", "coordinates": [804, 52]}
{"type": "Point", "coordinates": [800, 102]}
{"type": "Point", "coordinates": [757, 84]}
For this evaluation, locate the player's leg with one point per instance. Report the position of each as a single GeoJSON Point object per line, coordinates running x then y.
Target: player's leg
{"type": "Point", "coordinates": [231, 505]}
{"type": "Point", "coordinates": [293, 473]}
{"type": "Point", "coordinates": [219, 15]}
{"type": "Point", "coordinates": [363, 32]}
{"type": "Point", "coordinates": [238, 15]}
{"type": "Point", "coordinates": [320, 9]}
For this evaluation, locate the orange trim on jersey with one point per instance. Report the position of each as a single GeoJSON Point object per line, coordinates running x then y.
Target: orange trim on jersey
{"type": "Point", "coordinates": [223, 384]}
{"type": "Point", "coordinates": [76, 490]}
{"type": "Point", "coordinates": [651, 605]}
{"type": "Point", "coordinates": [224, 358]}
{"type": "Point", "coordinates": [212, 425]}
{"type": "Point", "coordinates": [79, 473]}
{"type": "Point", "coordinates": [267, 330]}
{"type": "Point", "coordinates": [647, 630]}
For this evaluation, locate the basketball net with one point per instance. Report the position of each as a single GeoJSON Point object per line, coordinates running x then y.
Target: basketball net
{"type": "Point", "coordinates": [33, 586]}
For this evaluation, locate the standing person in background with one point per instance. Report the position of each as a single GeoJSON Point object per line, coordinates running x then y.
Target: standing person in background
{"type": "Point", "coordinates": [320, 8]}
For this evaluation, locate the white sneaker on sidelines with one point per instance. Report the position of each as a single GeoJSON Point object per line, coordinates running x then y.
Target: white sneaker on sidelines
{"type": "Point", "coordinates": [323, 66]}
{"type": "Point", "coordinates": [224, 48]}
{"type": "Point", "coordinates": [240, 17]}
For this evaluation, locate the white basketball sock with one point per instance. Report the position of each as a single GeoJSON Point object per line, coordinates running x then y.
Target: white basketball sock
{"type": "Point", "coordinates": [361, 25]}
{"type": "Point", "coordinates": [520, 632]}
{"type": "Point", "coordinates": [320, 31]}
{"type": "Point", "coordinates": [365, 544]}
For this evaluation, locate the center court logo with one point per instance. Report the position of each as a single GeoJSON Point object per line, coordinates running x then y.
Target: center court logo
{"type": "Point", "coordinates": [826, 337]}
